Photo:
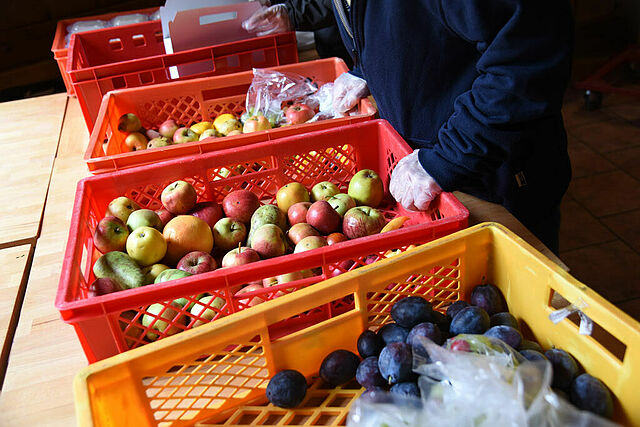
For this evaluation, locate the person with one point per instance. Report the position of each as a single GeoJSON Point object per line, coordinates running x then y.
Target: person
{"type": "Point", "coordinates": [301, 15]}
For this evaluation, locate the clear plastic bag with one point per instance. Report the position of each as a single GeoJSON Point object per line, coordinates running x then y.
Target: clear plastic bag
{"type": "Point", "coordinates": [80, 26]}
{"type": "Point", "coordinates": [485, 385]}
{"type": "Point", "coordinates": [133, 18]}
{"type": "Point", "coordinates": [155, 16]}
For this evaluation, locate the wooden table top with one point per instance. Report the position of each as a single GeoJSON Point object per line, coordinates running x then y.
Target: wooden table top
{"type": "Point", "coordinates": [46, 353]}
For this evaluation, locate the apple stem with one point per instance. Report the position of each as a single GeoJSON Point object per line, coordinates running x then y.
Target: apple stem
{"type": "Point", "coordinates": [240, 247]}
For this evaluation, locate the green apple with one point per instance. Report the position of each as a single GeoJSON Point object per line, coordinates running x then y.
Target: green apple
{"type": "Point", "coordinates": [163, 320]}
{"type": "Point", "coordinates": [121, 208]}
{"type": "Point", "coordinates": [144, 218]}
{"type": "Point", "coordinates": [171, 274]}
{"type": "Point", "coordinates": [146, 246]}
{"type": "Point", "coordinates": [323, 191]}
{"type": "Point", "coordinates": [184, 301]}
{"type": "Point", "coordinates": [203, 310]}
{"type": "Point", "coordinates": [366, 188]}
{"type": "Point", "coordinates": [228, 234]}
{"type": "Point", "coordinates": [342, 202]}
{"type": "Point", "coordinates": [151, 272]}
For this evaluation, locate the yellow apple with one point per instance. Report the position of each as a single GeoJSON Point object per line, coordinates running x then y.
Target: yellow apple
{"type": "Point", "coordinates": [146, 246]}
{"type": "Point", "coordinates": [199, 128]}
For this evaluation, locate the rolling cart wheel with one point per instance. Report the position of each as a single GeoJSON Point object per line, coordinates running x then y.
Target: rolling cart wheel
{"type": "Point", "coordinates": [592, 100]}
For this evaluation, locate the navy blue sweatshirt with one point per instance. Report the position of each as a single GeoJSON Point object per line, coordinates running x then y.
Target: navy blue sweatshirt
{"type": "Point", "coordinates": [478, 85]}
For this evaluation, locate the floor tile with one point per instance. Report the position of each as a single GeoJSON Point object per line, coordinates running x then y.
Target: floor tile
{"type": "Point", "coordinates": [575, 116]}
{"type": "Point", "coordinates": [631, 307]}
{"type": "Point", "coordinates": [629, 112]}
{"type": "Point", "coordinates": [606, 193]}
{"type": "Point", "coordinates": [609, 135]}
{"type": "Point", "coordinates": [626, 226]}
{"type": "Point", "coordinates": [611, 269]}
{"type": "Point", "coordinates": [586, 161]}
{"type": "Point", "coordinates": [578, 228]}
{"type": "Point", "coordinates": [628, 160]}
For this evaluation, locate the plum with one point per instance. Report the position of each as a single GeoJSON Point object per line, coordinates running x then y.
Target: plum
{"type": "Point", "coordinates": [339, 367]}
{"type": "Point", "coordinates": [489, 298]}
{"type": "Point", "coordinates": [470, 320]}
{"type": "Point", "coordinates": [443, 323]}
{"type": "Point", "coordinates": [406, 389]}
{"type": "Point", "coordinates": [396, 362]}
{"type": "Point", "coordinates": [454, 308]}
{"type": "Point", "coordinates": [368, 373]}
{"type": "Point", "coordinates": [427, 330]}
{"type": "Point", "coordinates": [530, 345]}
{"type": "Point", "coordinates": [392, 332]}
{"type": "Point", "coordinates": [509, 335]}
{"type": "Point", "coordinates": [410, 311]}
{"type": "Point", "coordinates": [565, 368]}
{"type": "Point", "coordinates": [504, 318]}
{"type": "Point", "coordinates": [287, 389]}
{"type": "Point", "coordinates": [590, 394]}
{"type": "Point", "coordinates": [369, 344]}
{"type": "Point", "coordinates": [532, 355]}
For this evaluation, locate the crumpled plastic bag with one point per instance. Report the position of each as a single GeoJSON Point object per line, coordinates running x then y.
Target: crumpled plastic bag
{"type": "Point", "coordinates": [80, 26]}
{"type": "Point", "coordinates": [133, 18]}
{"type": "Point", "coordinates": [486, 386]}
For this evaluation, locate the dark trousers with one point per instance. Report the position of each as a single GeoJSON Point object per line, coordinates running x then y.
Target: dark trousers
{"type": "Point", "coordinates": [547, 229]}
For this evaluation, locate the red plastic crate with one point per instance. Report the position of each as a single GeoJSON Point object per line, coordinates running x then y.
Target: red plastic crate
{"type": "Point", "coordinates": [59, 48]}
{"type": "Point", "coordinates": [133, 56]}
{"type": "Point", "coordinates": [192, 101]}
{"type": "Point", "coordinates": [334, 154]}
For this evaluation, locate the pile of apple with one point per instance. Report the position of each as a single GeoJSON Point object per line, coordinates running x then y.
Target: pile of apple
{"type": "Point", "coordinates": [170, 133]}
{"type": "Point", "coordinates": [141, 246]}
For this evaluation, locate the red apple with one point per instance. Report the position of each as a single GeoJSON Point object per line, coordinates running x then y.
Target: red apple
{"type": "Point", "coordinates": [197, 262]}
{"type": "Point", "coordinates": [366, 188]}
{"type": "Point", "coordinates": [290, 194]}
{"type": "Point", "coordinates": [165, 216]}
{"type": "Point", "coordinates": [362, 221]}
{"type": "Point", "coordinates": [209, 212]}
{"type": "Point", "coordinates": [256, 123]}
{"type": "Point", "coordinates": [301, 230]}
{"type": "Point", "coordinates": [334, 238]}
{"type": "Point", "coordinates": [269, 241]}
{"type": "Point", "coordinates": [103, 286]}
{"type": "Point", "coordinates": [323, 217]}
{"type": "Point", "coordinates": [240, 205]}
{"type": "Point", "coordinates": [168, 128]}
{"type": "Point", "coordinates": [110, 235]}
{"type": "Point", "coordinates": [240, 256]}
{"type": "Point", "coordinates": [297, 212]}
{"type": "Point", "coordinates": [179, 197]}
{"type": "Point", "coordinates": [247, 289]}
{"type": "Point", "coordinates": [311, 242]}
{"type": "Point", "coordinates": [298, 113]}
{"type": "Point", "coordinates": [343, 267]}
{"type": "Point", "coordinates": [228, 234]}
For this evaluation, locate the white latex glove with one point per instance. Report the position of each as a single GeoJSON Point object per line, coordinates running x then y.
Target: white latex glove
{"type": "Point", "coordinates": [268, 20]}
{"type": "Point", "coordinates": [411, 185]}
{"type": "Point", "coordinates": [347, 90]}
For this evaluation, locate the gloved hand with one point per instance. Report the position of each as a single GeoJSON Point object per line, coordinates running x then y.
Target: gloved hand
{"type": "Point", "coordinates": [269, 20]}
{"type": "Point", "coordinates": [347, 90]}
{"type": "Point", "coordinates": [411, 185]}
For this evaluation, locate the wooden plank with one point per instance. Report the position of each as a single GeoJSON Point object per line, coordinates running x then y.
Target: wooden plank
{"type": "Point", "coordinates": [28, 145]}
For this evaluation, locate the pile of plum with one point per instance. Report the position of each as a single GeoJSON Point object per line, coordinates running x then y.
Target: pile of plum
{"type": "Point", "coordinates": [388, 354]}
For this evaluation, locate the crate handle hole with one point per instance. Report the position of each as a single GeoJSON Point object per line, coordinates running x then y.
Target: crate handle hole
{"type": "Point", "coordinates": [158, 36]}
{"type": "Point", "coordinates": [613, 345]}
{"type": "Point", "coordinates": [139, 40]}
{"type": "Point", "coordinates": [119, 82]}
{"type": "Point", "coordinates": [116, 44]}
{"type": "Point", "coordinates": [146, 78]}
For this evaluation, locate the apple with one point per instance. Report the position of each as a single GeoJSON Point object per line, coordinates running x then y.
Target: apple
{"type": "Point", "coordinates": [162, 320]}
{"type": "Point", "coordinates": [110, 235]}
{"type": "Point", "coordinates": [146, 246]}
{"type": "Point", "coordinates": [160, 141]}
{"type": "Point", "coordinates": [179, 197]}
{"type": "Point", "coordinates": [235, 132]}
{"type": "Point", "coordinates": [366, 188]}
{"type": "Point", "coordinates": [183, 135]}
{"type": "Point", "coordinates": [168, 128]}
{"type": "Point", "coordinates": [362, 221]}
{"type": "Point", "coordinates": [309, 243]}
{"type": "Point", "coordinates": [255, 124]}
{"type": "Point", "coordinates": [297, 212]}
{"type": "Point", "coordinates": [103, 286]}
{"type": "Point", "coordinates": [240, 256]}
{"type": "Point", "coordinates": [343, 267]}
{"type": "Point", "coordinates": [151, 272]}
{"type": "Point", "coordinates": [298, 113]}
{"type": "Point", "coordinates": [152, 134]}
{"type": "Point", "coordinates": [240, 205]}
{"type": "Point", "coordinates": [208, 133]}
{"type": "Point", "coordinates": [184, 234]}
{"type": "Point", "coordinates": [121, 208]}
{"type": "Point", "coordinates": [200, 127]}
{"type": "Point", "coordinates": [290, 194]}
{"type": "Point", "coordinates": [269, 241]}
{"type": "Point", "coordinates": [228, 233]}
{"type": "Point", "coordinates": [323, 217]}
{"type": "Point", "coordinates": [129, 123]}
{"type": "Point", "coordinates": [136, 141]}
{"type": "Point", "coordinates": [301, 230]}
{"type": "Point", "coordinates": [249, 288]}
{"type": "Point", "coordinates": [164, 215]}
{"type": "Point", "coordinates": [144, 218]}
{"type": "Point", "coordinates": [204, 311]}
{"type": "Point", "coordinates": [342, 202]}
{"type": "Point", "coordinates": [209, 212]}
{"type": "Point", "coordinates": [323, 191]}
{"type": "Point", "coordinates": [171, 274]}
{"type": "Point", "coordinates": [334, 238]}
{"type": "Point", "coordinates": [197, 262]}
{"type": "Point", "coordinates": [225, 123]}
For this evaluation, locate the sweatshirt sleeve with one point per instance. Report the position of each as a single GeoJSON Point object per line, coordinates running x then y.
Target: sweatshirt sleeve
{"type": "Point", "coordinates": [524, 61]}
{"type": "Point", "coordinates": [309, 15]}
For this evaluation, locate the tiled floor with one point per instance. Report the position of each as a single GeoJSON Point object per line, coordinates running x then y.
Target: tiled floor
{"type": "Point", "coordinates": [600, 231]}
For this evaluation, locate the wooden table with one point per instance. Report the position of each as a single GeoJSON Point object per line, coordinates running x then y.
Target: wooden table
{"type": "Point", "coordinates": [46, 354]}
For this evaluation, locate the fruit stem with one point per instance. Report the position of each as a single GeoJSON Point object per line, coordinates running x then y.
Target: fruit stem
{"type": "Point", "coordinates": [240, 247]}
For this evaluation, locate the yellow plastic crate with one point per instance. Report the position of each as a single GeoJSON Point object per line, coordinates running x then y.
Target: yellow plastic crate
{"type": "Point", "coordinates": [216, 374]}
